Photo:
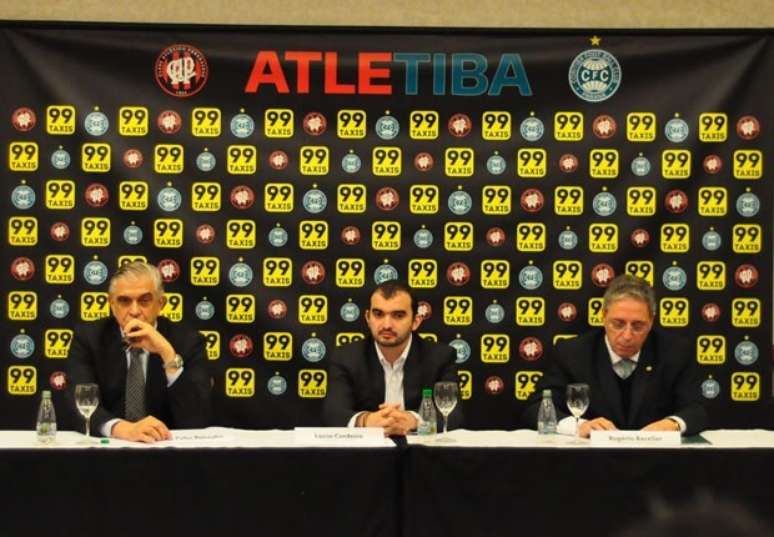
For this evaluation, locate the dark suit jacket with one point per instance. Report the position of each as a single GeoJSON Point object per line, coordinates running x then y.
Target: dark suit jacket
{"type": "Point", "coordinates": [356, 379]}
{"type": "Point", "coordinates": [97, 355]}
{"type": "Point", "coordinates": [666, 382]}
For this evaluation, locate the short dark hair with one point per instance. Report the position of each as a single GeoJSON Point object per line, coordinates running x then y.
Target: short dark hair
{"type": "Point", "coordinates": [390, 288]}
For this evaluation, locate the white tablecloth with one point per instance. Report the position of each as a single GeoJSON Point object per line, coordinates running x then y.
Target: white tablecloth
{"type": "Point", "coordinates": [222, 437]}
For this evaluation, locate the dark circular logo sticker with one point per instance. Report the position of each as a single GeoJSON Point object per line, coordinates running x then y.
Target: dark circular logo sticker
{"type": "Point", "coordinates": [746, 276]}
{"type": "Point", "coordinates": [710, 312]}
{"type": "Point", "coordinates": [96, 195]}
{"type": "Point", "coordinates": [640, 238]}
{"type": "Point", "coordinates": [712, 164]}
{"type": "Point", "coordinates": [350, 235]}
{"type": "Point", "coordinates": [532, 200]}
{"type": "Point", "coordinates": [133, 158]}
{"type": "Point", "coordinates": [240, 346]}
{"type": "Point", "coordinates": [22, 269]}
{"type": "Point", "coordinates": [568, 163]}
{"type": "Point", "coordinates": [315, 124]}
{"type": "Point", "coordinates": [458, 274]}
{"type": "Point", "coordinates": [24, 119]}
{"type": "Point", "coordinates": [169, 269]}
{"type": "Point", "coordinates": [567, 312]}
{"type": "Point", "coordinates": [58, 380]}
{"type": "Point", "coordinates": [387, 198]}
{"type": "Point", "coordinates": [460, 125]}
{"type": "Point", "coordinates": [205, 234]}
{"type": "Point", "coordinates": [748, 128]}
{"type": "Point", "coordinates": [169, 122]}
{"type": "Point", "coordinates": [604, 127]}
{"type": "Point", "coordinates": [424, 310]}
{"type": "Point", "coordinates": [60, 231]}
{"type": "Point", "coordinates": [277, 309]}
{"type": "Point", "coordinates": [602, 274]}
{"type": "Point", "coordinates": [313, 272]}
{"type": "Point", "coordinates": [181, 70]}
{"type": "Point", "coordinates": [494, 385]}
{"type": "Point", "coordinates": [495, 236]}
{"type": "Point", "coordinates": [676, 201]}
{"type": "Point", "coordinates": [242, 197]}
{"type": "Point", "coordinates": [423, 162]}
{"type": "Point", "coordinates": [278, 160]}
{"type": "Point", "coordinates": [530, 349]}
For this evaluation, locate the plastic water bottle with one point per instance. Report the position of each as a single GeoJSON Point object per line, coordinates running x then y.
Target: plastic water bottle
{"type": "Point", "coordinates": [428, 424]}
{"type": "Point", "coordinates": [546, 421]}
{"type": "Point", "coordinates": [46, 425]}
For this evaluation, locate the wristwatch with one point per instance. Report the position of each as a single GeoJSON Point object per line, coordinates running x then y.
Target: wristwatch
{"type": "Point", "coordinates": [174, 363]}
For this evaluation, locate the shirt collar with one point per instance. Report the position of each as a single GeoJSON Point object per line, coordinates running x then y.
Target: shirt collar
{"type": "Point", "coordinates": [614, 358]}
{"type": "Point", "coordinates": [397, 364]}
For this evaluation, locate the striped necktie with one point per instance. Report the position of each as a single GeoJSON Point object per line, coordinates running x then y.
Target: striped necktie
{"type": "Point", "coordinates": [134, 402]}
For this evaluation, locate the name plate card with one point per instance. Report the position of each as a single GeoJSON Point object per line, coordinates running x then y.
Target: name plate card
{"type": "Point", "coordinates": [339, 436]}
{"type": "Point", "coordinates": [635, 439]}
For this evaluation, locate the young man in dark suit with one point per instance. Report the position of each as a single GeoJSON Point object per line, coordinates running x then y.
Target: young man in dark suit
{"type": "Point", "coordinates": [378, 381]}
{"type": "Point", "coordinates": [638, 378]}
{"type": "Point", "coordinates": [151, 376]}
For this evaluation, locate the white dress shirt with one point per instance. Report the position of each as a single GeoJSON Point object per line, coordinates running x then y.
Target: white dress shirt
{"type": "Point", "coordinates": [393, 380]}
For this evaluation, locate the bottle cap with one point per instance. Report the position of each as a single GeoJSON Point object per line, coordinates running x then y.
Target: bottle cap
{"type": "Point", "coordinates": [46, 394]}
{"type": "Point", "coordinates": [546, 393]}
{"type": "Point", "coordinates": [427, 392]}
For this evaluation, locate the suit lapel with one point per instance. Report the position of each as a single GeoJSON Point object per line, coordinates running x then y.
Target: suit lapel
{"type": "Point", "coordinates": [412, 372]}
{"type": "Point", "coordinates": [643, 378]}
{"type": "Point", "coordinates": [375, 397]}
{"type": "Point", "coordinates": [115, 360]}
{"type": "Point", "coordinates": [155, 381]}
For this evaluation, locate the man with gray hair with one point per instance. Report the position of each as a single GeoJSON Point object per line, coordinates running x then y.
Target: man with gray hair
{"type": "Point", "coordinates": [638, 377]}
{"type": "Point", "coordinates": [152, 376]}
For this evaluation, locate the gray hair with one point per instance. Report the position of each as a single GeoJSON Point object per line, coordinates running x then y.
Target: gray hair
{"type": "Point", "coordinates": [138, 269]}
{"type": "Point", "coordinates": [628, 286]}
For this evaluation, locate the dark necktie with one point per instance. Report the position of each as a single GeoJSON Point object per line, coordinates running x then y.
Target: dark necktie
{"type": "Point", "coordinates": [134, 403]}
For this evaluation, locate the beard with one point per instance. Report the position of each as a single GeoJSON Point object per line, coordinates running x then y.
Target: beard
{"type": "Point", "coordinates": [395, 341]}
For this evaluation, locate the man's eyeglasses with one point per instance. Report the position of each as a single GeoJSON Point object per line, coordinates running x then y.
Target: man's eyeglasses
{"type": "Point", "coordinates": [637, 327]}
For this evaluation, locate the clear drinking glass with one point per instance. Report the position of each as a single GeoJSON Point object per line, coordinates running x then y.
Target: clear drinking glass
{"type": "Point", "coordinates": [87, 400]}
{"type": "Point", "coordinates": [577, 402]}
{"type": "Point", "coordinates": [445, 395]}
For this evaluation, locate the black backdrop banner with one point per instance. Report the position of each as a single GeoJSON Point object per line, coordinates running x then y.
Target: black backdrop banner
{"type": "Point", "coordinates": [275, 174]}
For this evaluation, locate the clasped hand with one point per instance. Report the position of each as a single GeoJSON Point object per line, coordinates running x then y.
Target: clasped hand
{"type": "Point", "coordinates": [392, 419]}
